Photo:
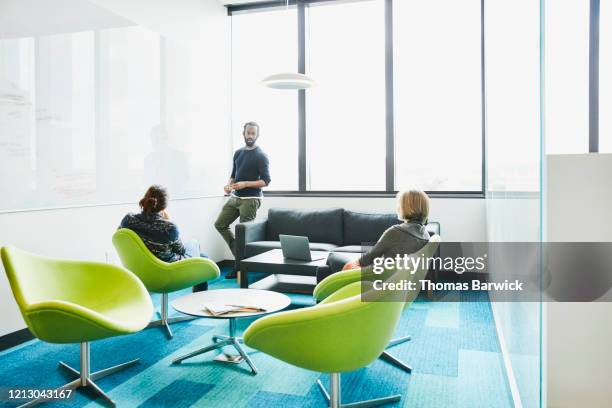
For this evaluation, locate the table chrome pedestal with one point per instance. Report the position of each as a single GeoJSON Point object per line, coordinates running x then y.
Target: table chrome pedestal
{"type": "Point", "coordinates": [261, 301]}
{"type": "Point", "coordinates": [220, 341]}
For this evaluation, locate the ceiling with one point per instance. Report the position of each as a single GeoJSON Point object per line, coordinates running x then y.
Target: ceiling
{"type": "Point", "coordinates": [46, 17]}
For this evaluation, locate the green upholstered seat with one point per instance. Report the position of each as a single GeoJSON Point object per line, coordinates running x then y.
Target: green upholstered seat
{"type": "Point", "coordinates": [334, 282]}
{"type": "Point", "coordinates": [341, 333]}
{"type": "Point", "coordinates": [338, 280]}
{"type": "Point", "coordinates": [65, 301]}
{"type": "Point", "coordinates": [159, 276]}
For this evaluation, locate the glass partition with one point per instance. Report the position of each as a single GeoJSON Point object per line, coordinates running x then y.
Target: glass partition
{"type": "Point", "coordinates": [513, 200]}
{"type": "Point", "coordinates": [93, 108]}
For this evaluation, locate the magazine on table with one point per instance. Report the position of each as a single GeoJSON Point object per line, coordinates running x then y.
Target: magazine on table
{"type": "Point", "coordinates": [219, 308]}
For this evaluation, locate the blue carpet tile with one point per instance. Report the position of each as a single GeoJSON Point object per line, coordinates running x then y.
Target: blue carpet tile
{"type": "Point", "coordinates": [454, 353]}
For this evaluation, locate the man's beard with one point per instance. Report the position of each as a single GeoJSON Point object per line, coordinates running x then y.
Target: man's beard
{"type": "Point", "coordinates": [250, 142]}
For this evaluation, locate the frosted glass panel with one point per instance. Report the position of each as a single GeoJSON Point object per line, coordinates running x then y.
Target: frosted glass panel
{"type": "Point", "coordinates": [95, 110]}
{"type": "Point", "coordinates": [17, 123]}
{"type": "Point", "coordinates": [80, 107]}
{"type": "Point", "coordinates": [514, 157]}
{"type": "Point", "coordinates": [130, 103]}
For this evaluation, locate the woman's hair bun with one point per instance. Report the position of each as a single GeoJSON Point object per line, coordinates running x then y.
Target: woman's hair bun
{"type": "Point", "coordinates": [154, 200]}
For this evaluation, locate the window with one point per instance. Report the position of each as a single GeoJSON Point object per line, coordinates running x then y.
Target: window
{"type": "Point", "coordinates": [437, 78]}
{"type": "Point", "coordinates": [265, 43]}
{"type": "Point", "coordinates": [567, 76]}
{"type": "Point", "coordinates": [512, 59]}
{"type": "Point", "coordinates": [345, 112]}
{"type": "Point", "coordinates": [417, 109]}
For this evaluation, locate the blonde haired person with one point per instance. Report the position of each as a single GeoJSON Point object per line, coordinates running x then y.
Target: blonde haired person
{"type": "Point", "coordinates": [405, 238]}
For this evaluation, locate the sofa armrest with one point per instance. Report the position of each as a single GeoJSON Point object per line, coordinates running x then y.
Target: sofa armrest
{"type": "Point", "coordinates": [433, 228]}
{"type": "Point", "coordinates": [246, 232]}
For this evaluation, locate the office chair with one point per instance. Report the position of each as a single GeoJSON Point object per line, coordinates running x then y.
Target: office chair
{"type": "Point", "coordinates": [64, 301]}
{"type": "Point", "coordinates": [341, 333]}
{"type": "Point", "coordinates": [338, 280]}
{"type": "Point", "coordinates": [159, 276]}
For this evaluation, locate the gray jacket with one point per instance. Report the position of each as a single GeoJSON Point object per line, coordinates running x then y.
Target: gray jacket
{"type": "Point", "coordinates": [405, 238]}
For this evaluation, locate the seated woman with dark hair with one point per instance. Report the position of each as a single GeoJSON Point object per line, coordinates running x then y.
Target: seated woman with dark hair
{"type": "Point", "coordinates": [159, 234]}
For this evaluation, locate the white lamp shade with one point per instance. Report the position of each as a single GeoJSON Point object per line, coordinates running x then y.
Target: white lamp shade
{"type": "Point", "coordinates": [288, 80]}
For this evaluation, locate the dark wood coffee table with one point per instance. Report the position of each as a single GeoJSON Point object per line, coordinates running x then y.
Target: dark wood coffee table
{"type": "Point", "coordinates": [275, 263]}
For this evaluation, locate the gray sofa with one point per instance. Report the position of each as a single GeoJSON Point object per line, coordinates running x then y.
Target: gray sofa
{"type": "Point", "coordinates": [336, 230]}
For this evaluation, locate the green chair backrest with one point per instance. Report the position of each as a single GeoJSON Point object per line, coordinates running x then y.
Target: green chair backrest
{"type": "Point", "coordinates": [35, 278]}
{"type": "Point", "coordinates": [339, 334]}
{"type": "Point", "coordinates": [135, 256]}
{"type": "Point", "coordinates": [57, 295]}
{"type": "Point", "coordinates": [395, 276]}
{"type": "Point", "coordinates": [159, 276]}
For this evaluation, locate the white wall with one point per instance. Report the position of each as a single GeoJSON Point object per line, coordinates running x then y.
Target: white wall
{"type": "Point", "coordinates": [579, 335]}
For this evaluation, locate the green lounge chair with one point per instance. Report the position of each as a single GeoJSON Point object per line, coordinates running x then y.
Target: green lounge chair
{"type": "Point", "coordinates": [342, 333]}
{"type": "Point", "coordinates": [66, 301]}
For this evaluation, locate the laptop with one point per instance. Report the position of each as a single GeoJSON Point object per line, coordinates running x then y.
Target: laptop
{"type": "Point", "coordinates": [297, 248]}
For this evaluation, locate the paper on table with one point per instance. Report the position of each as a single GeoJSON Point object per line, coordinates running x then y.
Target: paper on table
{"type": "Point", "coordinates": [218, 309]}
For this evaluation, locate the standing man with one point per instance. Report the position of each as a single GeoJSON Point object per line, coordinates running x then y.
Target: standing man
{"type": "Point", "coordinates": [250, 172]}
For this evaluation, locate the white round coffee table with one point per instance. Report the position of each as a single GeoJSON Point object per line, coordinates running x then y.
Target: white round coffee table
{"type": "Point", "coordinates": [193, 304]}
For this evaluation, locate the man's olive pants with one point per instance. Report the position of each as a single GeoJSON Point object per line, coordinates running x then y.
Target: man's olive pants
{"type": "Point", "coordinates": [234, 207]}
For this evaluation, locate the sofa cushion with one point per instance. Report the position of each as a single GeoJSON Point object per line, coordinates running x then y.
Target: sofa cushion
{"type": "Point", "coordinates": [337, 260]}
{"type": "Point", "coordinates": [361, 228]}
{"type": "Point", "coordinates": [318, 225]}
{"type": "Point", "coordinates": [354, 249]}
{"type": "Point", "coordinates": [259, 247]}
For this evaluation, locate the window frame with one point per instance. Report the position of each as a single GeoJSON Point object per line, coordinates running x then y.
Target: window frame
{"type": "Point", "coordinates": [389, 191]}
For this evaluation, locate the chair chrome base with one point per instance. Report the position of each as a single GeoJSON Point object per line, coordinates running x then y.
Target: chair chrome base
{"type": "Point", "coordinates": [85, 379]}
{"type": "Point", "coordinates": [335, 399]}
{"type": "Point", "coordinates": [220, 341]}
{"type": "Point", "coordinates": [386, 356]}
{"type": "Point", "coordinates": [166, 321]}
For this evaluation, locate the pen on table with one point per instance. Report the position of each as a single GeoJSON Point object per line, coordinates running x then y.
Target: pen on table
{"type": "Point", "coordinates": [257, 309]}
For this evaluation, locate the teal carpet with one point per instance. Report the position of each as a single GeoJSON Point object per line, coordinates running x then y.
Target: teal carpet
{"type": "Point", "coordinates": [454, 353]}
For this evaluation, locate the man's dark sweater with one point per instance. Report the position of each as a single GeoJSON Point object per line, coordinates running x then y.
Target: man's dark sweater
{"type": "Point", "coordinates": [250, 165]}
